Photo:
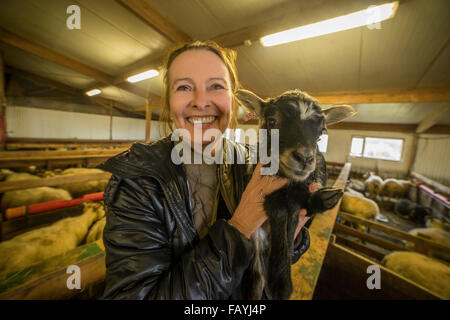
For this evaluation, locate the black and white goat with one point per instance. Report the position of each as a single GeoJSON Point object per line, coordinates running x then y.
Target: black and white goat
{"type": "Point", "coordinates": [300, 122]}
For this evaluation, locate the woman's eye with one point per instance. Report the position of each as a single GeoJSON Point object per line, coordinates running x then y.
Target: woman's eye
{"type": "Point", "coordinates": [217, 86]}
{"type": "Point", "coordinates": [182, 88]}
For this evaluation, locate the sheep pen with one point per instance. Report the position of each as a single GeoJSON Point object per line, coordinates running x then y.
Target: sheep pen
{"type": "Point", "coordinates": [428, 272]}
{"type": "Point", "coordinates": [24, 197]}
{"type": "Point", "coordinates": [36, 245]}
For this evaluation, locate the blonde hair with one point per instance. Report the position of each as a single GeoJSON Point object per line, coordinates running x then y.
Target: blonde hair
{"type": "Point", "coordinates": [228, 57]}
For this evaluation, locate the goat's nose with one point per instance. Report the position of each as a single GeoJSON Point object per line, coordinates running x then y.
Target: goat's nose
{"type": "Point", "coordinates": [302, 159]}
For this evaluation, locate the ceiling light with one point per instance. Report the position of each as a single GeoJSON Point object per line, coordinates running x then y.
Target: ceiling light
{"type": "Point", "coordinates": [93, 92]}
{"type": "Point", "coordinates": [371, 15]}
{"type": "Point", "coordinates": [144, 75]}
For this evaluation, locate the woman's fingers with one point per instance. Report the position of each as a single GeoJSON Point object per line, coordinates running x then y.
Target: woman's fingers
{"type": "Point", "coordinates": [301, 221]}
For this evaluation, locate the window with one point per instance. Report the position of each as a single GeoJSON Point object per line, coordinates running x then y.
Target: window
{"type": "Point", "coordinates": [377, 148]}
{"type": "Point", "coordinates": [323, 142]}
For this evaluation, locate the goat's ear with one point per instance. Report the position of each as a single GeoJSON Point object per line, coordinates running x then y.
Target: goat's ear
{"type": "Point", "coordinates": [251, 102]}
{"type": "Point", "coordinates": [338, 113]}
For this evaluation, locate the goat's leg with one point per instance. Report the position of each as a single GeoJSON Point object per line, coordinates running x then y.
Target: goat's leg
{"type": "Point", "coordinates": [292, 223]}
{"type": "Point", "coordinates": [279, 273]}
{"type": "Point", "coordinates": [322, 200]}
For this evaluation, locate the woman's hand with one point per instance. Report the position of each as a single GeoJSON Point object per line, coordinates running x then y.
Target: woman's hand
{"type": "Point", "coordinates": [302, 219]}
{"type": "Point", "coordinates": [249, 214]}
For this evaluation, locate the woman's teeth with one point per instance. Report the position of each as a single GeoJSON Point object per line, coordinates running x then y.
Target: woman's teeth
{"type": "Point", "coordinates": [195, 120]}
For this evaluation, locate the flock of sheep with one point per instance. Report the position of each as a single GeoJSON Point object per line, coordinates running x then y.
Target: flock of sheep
{"type": "Point", "coordinates": [362, 199]}
{"type": "Point", "coordinates": [34, 246]}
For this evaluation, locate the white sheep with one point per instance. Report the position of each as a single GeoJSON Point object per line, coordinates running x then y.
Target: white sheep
{"type": "Point", "coordinates": [427, 272]}
{"type": "Point", "coordinates": [82, 188]}
{"type": "Point", "coordinates": [434, 234]}
{"type": "Point", "coordinates": [356, 204]}
{"type": "Point", "coordinates": [24, 197]}
{"type": "Point", "coordinates": [373, 185]}
{"type": "Point", "coordinates": [37, 245]}
{"type": "Point", "coordinates": [395, 188]}
{"type": "Point", "coordinates": [96, 231]}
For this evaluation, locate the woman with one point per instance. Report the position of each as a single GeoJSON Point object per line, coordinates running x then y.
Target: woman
{"type": "Point", "coordinates": [183, 231]}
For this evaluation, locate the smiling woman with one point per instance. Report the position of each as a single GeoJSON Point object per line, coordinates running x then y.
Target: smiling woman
{"type": "Point", "coordinates": [181, 231]}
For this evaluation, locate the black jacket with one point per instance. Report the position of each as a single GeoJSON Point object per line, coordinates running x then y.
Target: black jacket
{"type": "Point", "coordinates": [152, 247]}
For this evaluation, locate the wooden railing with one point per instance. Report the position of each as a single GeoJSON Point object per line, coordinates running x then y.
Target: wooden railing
{"type": "Point", "coordinates": [306, 271]}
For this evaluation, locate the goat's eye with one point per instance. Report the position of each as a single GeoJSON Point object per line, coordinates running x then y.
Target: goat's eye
{"type": "Point", "coordinates": [271, 122]}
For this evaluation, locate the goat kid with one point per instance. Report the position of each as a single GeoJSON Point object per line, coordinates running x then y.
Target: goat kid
{"type": "Point", "coordinates": [300, 122]}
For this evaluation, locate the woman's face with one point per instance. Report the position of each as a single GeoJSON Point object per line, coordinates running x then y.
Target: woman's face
{"type": "Point", "coordinates": [200, 92]}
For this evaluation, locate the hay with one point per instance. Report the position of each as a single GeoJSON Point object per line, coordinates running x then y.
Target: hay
{"type": "Point", "coordinates": [421, 269]}
{"type": "Point", "coordinates": [37, 245]}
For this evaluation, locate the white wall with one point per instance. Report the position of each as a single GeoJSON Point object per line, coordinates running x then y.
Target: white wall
{"type": "Point", "coordinates": [26, 122]}
{"type": "Point", "coordinates": [339, 142]}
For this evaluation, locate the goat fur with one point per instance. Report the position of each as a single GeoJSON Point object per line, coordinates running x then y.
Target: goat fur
{"type": "Point", "coordinates": [300, 122]}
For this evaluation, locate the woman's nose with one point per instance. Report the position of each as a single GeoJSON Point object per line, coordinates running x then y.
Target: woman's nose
{"type": "Point", "coordinates": [200, 99]}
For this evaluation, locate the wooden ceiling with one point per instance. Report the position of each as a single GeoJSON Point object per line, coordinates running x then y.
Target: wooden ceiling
{"type": "Point", "coordinates": [399, 73]}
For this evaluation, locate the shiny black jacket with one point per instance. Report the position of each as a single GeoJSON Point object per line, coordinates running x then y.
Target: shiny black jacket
{"type": "Point", "coordinates": [152, 247]}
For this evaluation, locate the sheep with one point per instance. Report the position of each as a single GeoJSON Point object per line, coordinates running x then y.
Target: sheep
{"type": "Point", "coordinates": [96, 231]}
{"type": "Point", "coordinates": [79, 189]}
{"type": "Point", "coordinates": [359, 205]}
{"type": "Point", "coordinates": [373, 184]}
{"type": "Point", "coordinates": [300, 122]}
{"type": "Point", "coordinates": [24, 197]}
{"type": "Point", "coordinates": [357, 185]}
{"type": "Point", "coordinates": [413, 211]}
{"type": "Point", "coordinates": [431, 222]}
{"type": "Point", "coordinates": [395, 188]}
{"type": "Point", "coordinates": [37, 245]}
{"type": "Point", "coordinates": [4, 173]}
{"type": "Point", "coordinates": [434, 234]}
{"type": "Point", "coordinates": [425, 271]}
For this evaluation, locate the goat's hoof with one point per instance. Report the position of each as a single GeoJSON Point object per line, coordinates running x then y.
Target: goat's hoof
{"type": "Point", "coordinates": [327, 198]}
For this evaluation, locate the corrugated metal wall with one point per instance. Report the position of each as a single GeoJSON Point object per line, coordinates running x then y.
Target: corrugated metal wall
{"type": "Point", "coordinates": [25, 122]}
{"type": "Point", "coordinates": [433, 158]}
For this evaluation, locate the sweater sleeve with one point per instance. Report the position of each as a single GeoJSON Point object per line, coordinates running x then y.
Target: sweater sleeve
{"type": "Point", "coordinates": [140, 259]}
{"type": "Point", "coordinates": [301, 244]}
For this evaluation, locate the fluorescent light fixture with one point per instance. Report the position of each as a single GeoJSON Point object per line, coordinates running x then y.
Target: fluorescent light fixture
{"type": "Point", "coordinates": [369, 16]}
{"type": "Point", "coordinates": [144, 75]}
{"type": "Point", "coordinates": [93, 92]}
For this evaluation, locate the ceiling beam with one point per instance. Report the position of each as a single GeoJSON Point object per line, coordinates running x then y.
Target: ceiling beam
{"type": "Point", "coordinates": [431, 119]}
{"type": "Point", "coordinates": [388, 127]}
{"type": "Point", "coordinates": [72, 64]}
{"type": "Point", "coordinates": [399, 96]}
{"type": "Point", "coordinates": [143, 10]}
{"type": "Point", "coordinates": [75, 91]}
{"type": "Point", "coordinates": [48, 54]}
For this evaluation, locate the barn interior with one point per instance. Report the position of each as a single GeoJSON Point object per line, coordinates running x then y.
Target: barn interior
{"type": "Point", "coordinates": [67, 105]}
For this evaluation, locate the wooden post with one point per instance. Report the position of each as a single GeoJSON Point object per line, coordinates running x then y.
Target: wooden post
{"type": "Point", "coordinates": [306, 271]}
{"type": "Point", "coordinates": [413, 156]}
{"type": "Point", "coordinates": [148, 122]}
{"type": "Point", "coordinates": [110, 120]}
{"type": "Point", "coordinates": [2, 104]}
